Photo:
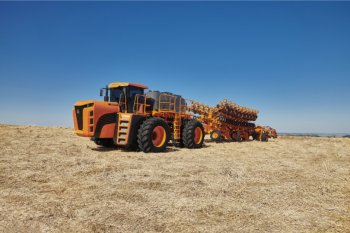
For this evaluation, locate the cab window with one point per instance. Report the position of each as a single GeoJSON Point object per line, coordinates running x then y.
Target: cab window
{"type": "Point", "coordinates": [132, 92]}
{"type": "Point", "coordinates": [115, 94]}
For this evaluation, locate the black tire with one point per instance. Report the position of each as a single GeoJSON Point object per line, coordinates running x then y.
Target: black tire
{"type": "Point", "coordinates": [105, 142]}
{"type": "Point", "coordinates": [188, 134]}
{"type": "Point", "coordinates": [264, 137]}
{"type": "Point", "coordinates": [235, 136]}
{"type": "Point", "coordinates": [215, 135]}
{"type": "Point", "coordinates": [145, 134]}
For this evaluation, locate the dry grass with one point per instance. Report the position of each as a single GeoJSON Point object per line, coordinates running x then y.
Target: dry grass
{"type": "Point", "coordinates": [54, 181]}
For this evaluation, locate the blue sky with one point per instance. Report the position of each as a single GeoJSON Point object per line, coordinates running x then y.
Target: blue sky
{"type": "Point", "coordinates": [290, 60]}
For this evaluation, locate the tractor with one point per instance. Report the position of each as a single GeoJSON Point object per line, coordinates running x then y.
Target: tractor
{"type": "Point", "coordinates": [129, 117]}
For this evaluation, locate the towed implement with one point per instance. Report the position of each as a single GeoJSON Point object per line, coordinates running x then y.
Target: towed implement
{"type": "Point", "coordinates": [263, 133]}
{"type": "Point", "coordinates": [229, 121]}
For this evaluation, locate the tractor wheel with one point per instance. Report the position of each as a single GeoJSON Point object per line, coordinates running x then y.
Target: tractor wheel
{"type": "Point", "coordinates": [215, 135]}
{"type": "Point", "coordinates": [193, 134]}
{"type": "Point", "coordinates": [264, 137]}
{"type": "Point", "coordinates": [153, 135]}
{"type": "Point", "coordinates": [105, 142]}
{"type": "Point", "coordinates": [236, 136]}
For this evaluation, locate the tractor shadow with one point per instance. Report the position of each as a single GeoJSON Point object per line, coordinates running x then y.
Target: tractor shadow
{"type": "Point", "coordinates": [210, 141]}
{"type": "Point", "coordinates": [170, 149]}
{"type": "Point", "coordinates": [105, 149]}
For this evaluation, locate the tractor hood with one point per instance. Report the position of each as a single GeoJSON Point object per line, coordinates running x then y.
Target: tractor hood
{"type": "Point", "coordinates": [87, 113]}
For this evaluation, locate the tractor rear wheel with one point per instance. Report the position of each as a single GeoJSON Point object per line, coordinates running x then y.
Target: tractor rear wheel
{"type": "Point", "coordinates": [215, 135]}
{"type": "Point", "coordinates": [193, 134]}
{"type": "Point", "coordinates": [153, 135]}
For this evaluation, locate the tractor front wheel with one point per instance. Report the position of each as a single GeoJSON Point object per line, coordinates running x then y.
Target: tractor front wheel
{"type": "Point", "coordinates": [105, 142]}
{"type": "Point", "coordinates": [153, 135]}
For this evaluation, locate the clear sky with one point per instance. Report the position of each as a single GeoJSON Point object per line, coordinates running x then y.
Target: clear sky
{"type": "Point", "coordinates": [290, 60]}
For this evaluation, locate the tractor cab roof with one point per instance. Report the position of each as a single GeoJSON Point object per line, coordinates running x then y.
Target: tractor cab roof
{"type": "Point", "coordinates": [126, 84]}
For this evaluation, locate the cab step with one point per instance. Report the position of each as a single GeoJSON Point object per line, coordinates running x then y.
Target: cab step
{"type": "Point", "coordinates": [124, 122]}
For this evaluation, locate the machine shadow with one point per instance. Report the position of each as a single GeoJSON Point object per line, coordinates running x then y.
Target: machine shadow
{"type": "Point", "coordinates": [104, 149]}
{"type": "Point", "coordinates": [170, 148]}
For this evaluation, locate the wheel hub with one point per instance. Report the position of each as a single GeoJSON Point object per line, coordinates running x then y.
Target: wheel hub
{"type": "Point", "coordinates": [158, 136]}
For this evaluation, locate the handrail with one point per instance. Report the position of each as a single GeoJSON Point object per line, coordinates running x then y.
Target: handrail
{"type": "Point", "coordinates": [137, 104]}
{"type": "Point", "coordinates": [124, 104]}
{"type": "Point", "coordinates": [166, 103]}
{"type": "Point", "coordinates": [171, 102]}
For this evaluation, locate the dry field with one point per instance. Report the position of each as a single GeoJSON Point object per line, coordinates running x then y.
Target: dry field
{"type": "Point", "coordinates": [54, 181]}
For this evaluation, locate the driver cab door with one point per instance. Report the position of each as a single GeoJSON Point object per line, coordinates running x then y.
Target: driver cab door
{"type": "Point", "coordinates": [127, 98]}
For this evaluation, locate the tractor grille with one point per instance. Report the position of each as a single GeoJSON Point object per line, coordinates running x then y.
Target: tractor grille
{"type": "Point", "coordinates": [79, 114]}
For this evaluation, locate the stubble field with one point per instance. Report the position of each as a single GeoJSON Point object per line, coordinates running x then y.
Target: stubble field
{"type": "Point", "coordinates": [54, 181]}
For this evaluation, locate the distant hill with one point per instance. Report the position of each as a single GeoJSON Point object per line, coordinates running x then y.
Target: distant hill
{"type": "Point", "coordinates": [299, 134]}
{"type": "Point", "coordinates": [315, 135]}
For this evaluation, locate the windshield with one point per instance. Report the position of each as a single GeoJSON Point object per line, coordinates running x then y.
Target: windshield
{"type": "Point", "coordinates": [115, 94]}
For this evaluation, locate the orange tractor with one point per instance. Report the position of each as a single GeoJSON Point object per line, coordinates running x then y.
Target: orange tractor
{"type": "Point", "coordinates": [129, 117]}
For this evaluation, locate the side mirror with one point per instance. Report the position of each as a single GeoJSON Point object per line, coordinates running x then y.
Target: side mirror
{"type": "Point", "coordinates": [101, 92]}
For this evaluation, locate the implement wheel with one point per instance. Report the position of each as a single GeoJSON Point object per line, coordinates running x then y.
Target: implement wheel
{"type": "Point", "coordinates": [264, 137]}
{"type": "Point", "coordinates": [153, 135]}
{"type": "Point", "coordinates": [215, 135]}
{"type": "Point", "coordinates": [236, 136]}
{"type": "Point", "coordinates": [193, 134]}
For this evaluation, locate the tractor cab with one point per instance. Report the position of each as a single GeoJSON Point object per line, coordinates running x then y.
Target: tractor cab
{"type": "Point", "coordinates": [123, 93]}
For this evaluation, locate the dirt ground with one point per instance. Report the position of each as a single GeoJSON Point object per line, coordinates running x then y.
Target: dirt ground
{"type": "Point", "coordinates": [54, 181]}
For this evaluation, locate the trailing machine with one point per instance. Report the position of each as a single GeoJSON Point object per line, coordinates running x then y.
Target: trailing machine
{"type": "Point", "coordinates": [229, 121]}
{"type": "Point", "coordinates": [129, 117]}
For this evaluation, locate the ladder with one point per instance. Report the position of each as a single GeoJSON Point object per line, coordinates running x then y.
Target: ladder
{"type": "Point", "coordinates": [124, 121]}
{"type": "Point", "coordinates": [177, 127]}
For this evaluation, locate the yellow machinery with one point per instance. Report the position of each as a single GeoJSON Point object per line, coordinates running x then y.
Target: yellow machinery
{"type": "Point", "coordinates": [230, 121]}
{"type": "Point", "coordinates": [128, 117]}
